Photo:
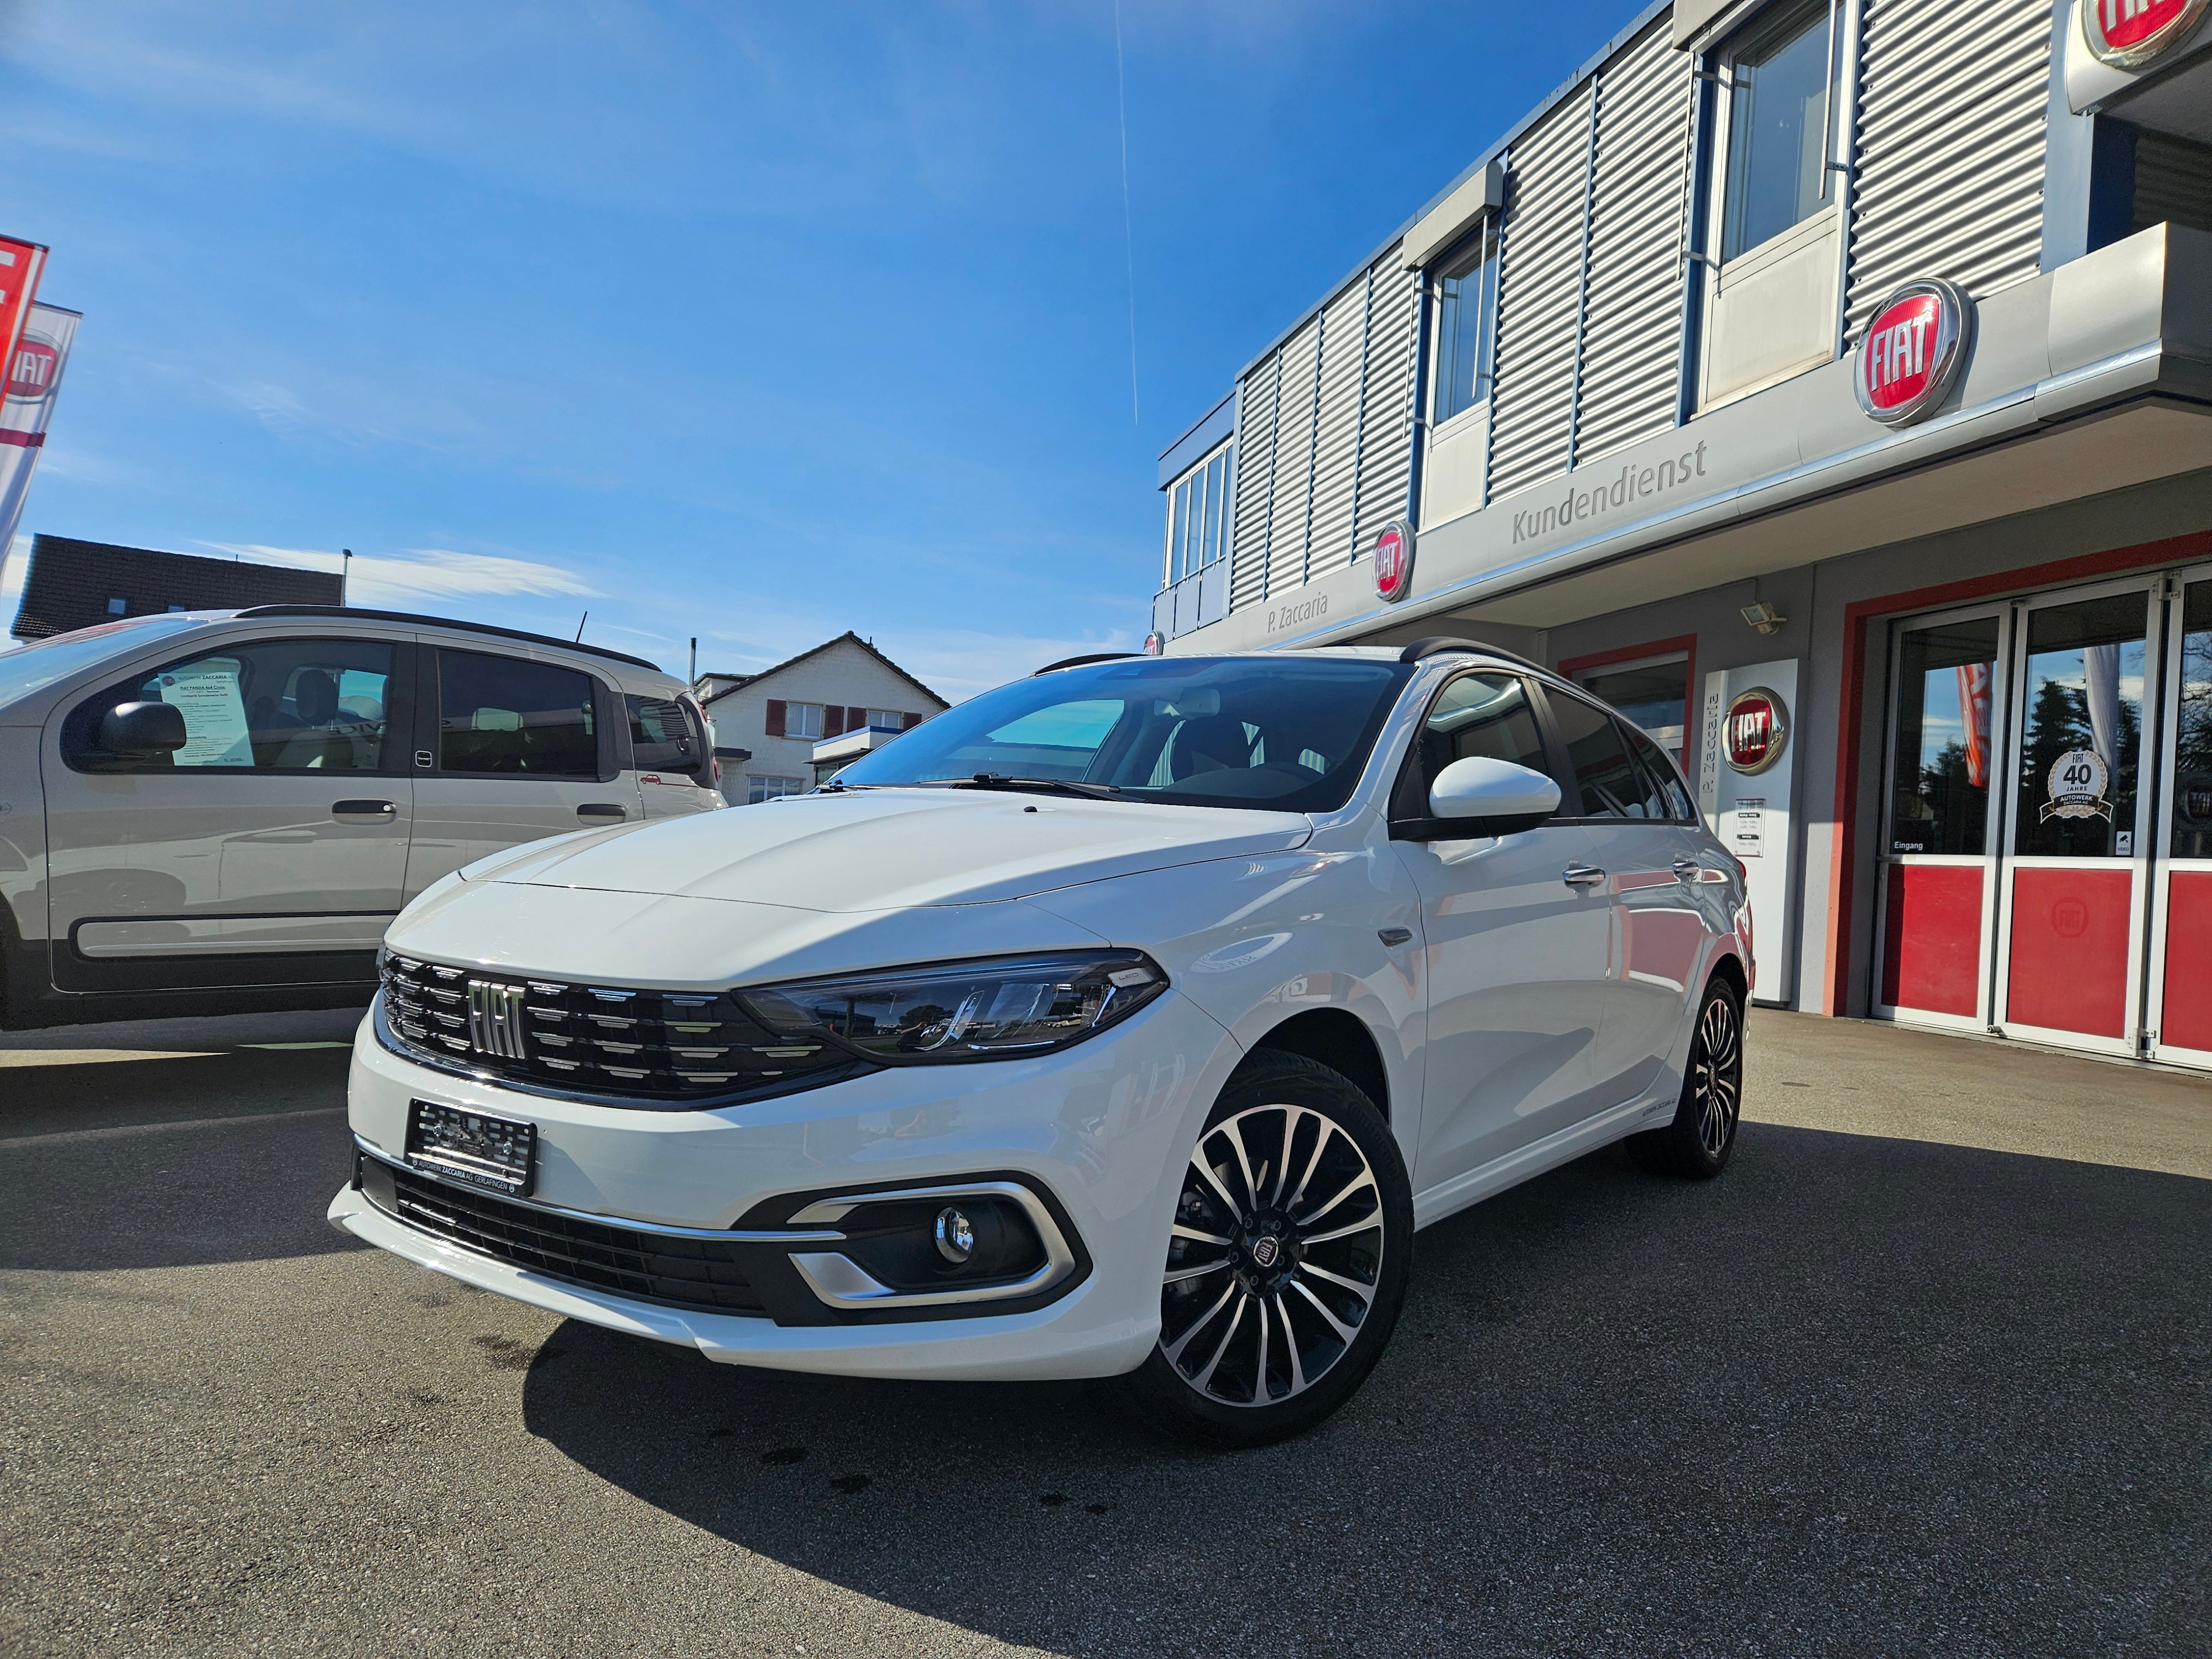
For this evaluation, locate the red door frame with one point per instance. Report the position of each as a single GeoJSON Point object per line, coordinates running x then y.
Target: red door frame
{"type": "Point", "coordinates": [1858, 616]}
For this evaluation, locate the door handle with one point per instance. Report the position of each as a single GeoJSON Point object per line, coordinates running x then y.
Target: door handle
{"type": "Point", "coordinates": [363, 808]}
{"type": "Point", "coordinates": [1583, 875]}
{"type": "Point", "coordinates": [600, 809]}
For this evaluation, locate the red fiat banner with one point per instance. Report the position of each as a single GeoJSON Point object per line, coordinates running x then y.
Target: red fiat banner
{"type": "Point", "coordinates": [21, 263]}
{"type": "Point", "coordinates": [34, 374]}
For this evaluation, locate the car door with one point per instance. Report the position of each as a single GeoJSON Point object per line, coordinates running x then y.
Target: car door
{"type": "Point", "coordinates": [1648, 852]}
{"type": "Point", "coordinates": [270, 848]}
{"type": "Point", "coordinates": [671, 754]}
{"type": "Point", "coordinates": [513, 747]}
{"type": "Point", "coordinates": [1516, 939]}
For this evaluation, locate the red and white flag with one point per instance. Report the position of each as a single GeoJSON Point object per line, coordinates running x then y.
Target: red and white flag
{"type": "Point", "coordinates": [34, 375]}
{"type": "Point", "coordinates": [21, 262]}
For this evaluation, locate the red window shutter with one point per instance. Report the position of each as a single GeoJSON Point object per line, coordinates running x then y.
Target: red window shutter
{"type": "Point", "coordinates": [913, 720]}
{"type": "Point", "coordinates": [776, 707]}
{"type": "Point", "coordinates": [855, 718]}
{"type": "Point", "coordinates": [833, 720]}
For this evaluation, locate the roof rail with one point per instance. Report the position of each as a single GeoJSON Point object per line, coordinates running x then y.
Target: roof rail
{"type": "Point", "coordinates": [343, 611]}
{"type": "Point", "coordinates": [1439, 644]}
{"type": "Point", "coordinates": [1077, 662]}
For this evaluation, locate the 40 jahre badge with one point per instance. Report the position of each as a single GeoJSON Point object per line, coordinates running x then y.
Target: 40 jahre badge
{"type": "Point", "coordinates": [2076, 786]}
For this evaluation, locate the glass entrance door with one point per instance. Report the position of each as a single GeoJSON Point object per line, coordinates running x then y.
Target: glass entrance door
{"type": "Point", "coordinates": [1939, 860]}
{"type": "Point", "coordinates": [2181, 881]}
{"type": "Point", "coordinates": [2076, 832]}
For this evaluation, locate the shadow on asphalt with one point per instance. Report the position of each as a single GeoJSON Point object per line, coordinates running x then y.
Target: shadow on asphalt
{"type": "Point", "coordinates": [1859, 1395]}
{"type": "Point", "coordinates": [174, 1161]}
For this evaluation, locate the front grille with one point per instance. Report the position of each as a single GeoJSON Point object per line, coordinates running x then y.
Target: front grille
{"type": "Point", "coordinates": [670, 1047]}
{"type": "Point", "coordinates": [683, 1272]}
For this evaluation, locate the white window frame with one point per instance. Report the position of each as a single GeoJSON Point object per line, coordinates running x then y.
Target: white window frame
{"type": "Point", "coordinates": [798, 716]}
{"type": "Point", "coordinates": [771, 785]}
{"type": "Point", "coordinates": [1203, 491]}
{"type": "Point", "coordinates": [892, 719]}
{"type": "Point", "coordinates": [1484, 245]}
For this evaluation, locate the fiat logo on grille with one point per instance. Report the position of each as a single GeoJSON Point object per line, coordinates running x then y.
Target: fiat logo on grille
{"type": "Point", "coordinates": [2130, 33]}
{"type": "Point", "coordinates": [495, 1019]}
{"type": "Point", "coordinates": [1911, 352]}
{"type": "Point", "coordinates": [1265, 1251]}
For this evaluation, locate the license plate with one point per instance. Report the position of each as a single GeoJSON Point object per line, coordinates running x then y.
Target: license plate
{"type": "Point", "coordinates": [496, 1154]}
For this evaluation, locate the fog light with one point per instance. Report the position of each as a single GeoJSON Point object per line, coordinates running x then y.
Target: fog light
{"type": "Point", "coordinates": [955, 1235]}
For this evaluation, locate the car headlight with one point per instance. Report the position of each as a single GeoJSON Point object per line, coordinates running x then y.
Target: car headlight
{"type": "Point", "coordinates": [963, 1010]}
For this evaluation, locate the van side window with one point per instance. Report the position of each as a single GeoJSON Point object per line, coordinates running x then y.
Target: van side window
{"type": "Point", "coordinates": [1613, 786]}
{"type": "Point", "coordinates": [267, 706]}
{"type": "Point", "coordinates": [662, 737]}
{"type": "Point", "coordinates": [507, 717]}
{"type": "Point", "coordinates": [1488, 715]}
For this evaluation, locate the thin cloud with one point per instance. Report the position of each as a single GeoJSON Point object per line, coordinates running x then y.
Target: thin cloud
{"type": "Point", "coordinates": [422, 572]}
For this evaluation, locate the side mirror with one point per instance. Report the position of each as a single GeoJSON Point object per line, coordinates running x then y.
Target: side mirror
{"type": "Point", "coordinates": [1479, 787]}
{"type": "Point", "coordinates": [143, 730]}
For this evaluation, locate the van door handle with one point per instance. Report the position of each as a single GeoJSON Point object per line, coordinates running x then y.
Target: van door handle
{"type": "Point", "coordinates": [1583, 875]}
{"type": "Point", "coordinates": [600, 809]}
{"type": "Point", "coordinates": [363, 808]}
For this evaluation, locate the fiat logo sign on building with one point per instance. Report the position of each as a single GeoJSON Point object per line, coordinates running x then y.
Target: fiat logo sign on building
{"type": "Point", "coordinates": [1911, 351]}
{"type": "Point", "coordinates": [1754, 730]}
{"type": "Point", "coordinates": [2129, 33]}
{"type": "Point", "coordinates": [1394, 561]}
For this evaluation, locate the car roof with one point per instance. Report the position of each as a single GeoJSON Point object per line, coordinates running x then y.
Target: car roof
{"type": "Point", "coordinates": [343, 612]}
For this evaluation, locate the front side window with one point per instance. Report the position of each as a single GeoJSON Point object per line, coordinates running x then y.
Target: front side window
{"type": "Point", "coordinates": [761, 785]}
{"type": "Point", "coordinates": [1487, 714]}
{"type": "Point", "coordinates": [1782, 94]}
{"type": "Point", "coordinates": [1612, 785]}
{"type": "Point", "coordinates": [272, 705]}
{"type": "Point", "coordinates": [507, 716]}
{"type": "Point", "coordinates": [1467, 311]}
{"type": "Point", "coordinates": [1287, 734]}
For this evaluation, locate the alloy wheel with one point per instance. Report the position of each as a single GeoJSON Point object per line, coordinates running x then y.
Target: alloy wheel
{"type": "Point", "coordinates": [1716, 1075]}
{"type": "Point", "coordinates": [1275, 1256]}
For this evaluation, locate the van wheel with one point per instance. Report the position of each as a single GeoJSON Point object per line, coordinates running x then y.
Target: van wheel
{"type": "Point", "coordinates": [1697, 1144]}
{"type": "Point", "coordinates": [1287, 1263]}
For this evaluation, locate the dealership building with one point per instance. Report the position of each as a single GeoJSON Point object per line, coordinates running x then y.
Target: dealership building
{"type": "Point", "coordinates": [1828, 384]}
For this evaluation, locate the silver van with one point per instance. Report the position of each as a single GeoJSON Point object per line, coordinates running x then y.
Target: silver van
{"type": "Point", "coordinates": [210, 812]}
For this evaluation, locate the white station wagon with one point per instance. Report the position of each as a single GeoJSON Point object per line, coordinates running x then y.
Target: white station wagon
{"type": "Point", "coordinates": [208, 811]}
{"type": "Point", "coordinates": [1125, 1021]}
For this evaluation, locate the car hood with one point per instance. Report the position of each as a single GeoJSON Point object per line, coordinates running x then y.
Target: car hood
{"type": "Point", "coordinates": [893, 849]}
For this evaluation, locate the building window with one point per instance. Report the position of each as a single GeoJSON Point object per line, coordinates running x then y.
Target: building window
{"type": "Point", "coordinates": [890, 718]}
{"type": "Point", "coordinates": [118, 607]}
{"type": "Point", "coordinates": [802, 720]}
{"type": "Point", "coordinates": [1783, 83]}
{"type": "Point", "coordinates": [760, 787]}
{"type": "Point", "coordinates": [1654, 694]}
{"type": "Point", "coordinates": [1466, 313]}
{"type": "Point", "coordinates": [1198, 517]}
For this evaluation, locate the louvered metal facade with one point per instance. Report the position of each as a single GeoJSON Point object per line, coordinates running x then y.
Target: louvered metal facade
{"type": "Point", "coordinates": [1325, 431]}
{"type": "Point", "coordinates": [1949, 165]}
{"type": "Point", "coordinates": [1540, 297]}
{"type": "Point", "coordinates": [1595, 334]}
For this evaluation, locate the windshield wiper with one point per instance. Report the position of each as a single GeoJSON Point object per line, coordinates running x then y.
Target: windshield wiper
{"type": "Point", "coordinates": [1039, 786]}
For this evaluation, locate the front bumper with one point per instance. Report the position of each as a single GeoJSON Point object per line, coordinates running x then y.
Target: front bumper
{"type": "Point", "coordinates": [1101, 1128]}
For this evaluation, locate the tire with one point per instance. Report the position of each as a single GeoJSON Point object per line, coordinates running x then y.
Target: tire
{"type": "Point", "coordinates": [1284, 1275]}
{"type": "Point", "coordinates": [1698, 1143]}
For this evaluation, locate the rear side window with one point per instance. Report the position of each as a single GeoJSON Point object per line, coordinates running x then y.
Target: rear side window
{"type": "Point", "coordinates": [1613, 786]}
{"type": "Point", "coordinates": [505, 716]}
{"type": "Point", "coordinates": [265, 706]}
{"type": "Point", "coordinates": [1676, 799]}
{"type": "Point", "coordinates": [664, 736]}
{"type": "Point", "coordinates": [1486, 714]}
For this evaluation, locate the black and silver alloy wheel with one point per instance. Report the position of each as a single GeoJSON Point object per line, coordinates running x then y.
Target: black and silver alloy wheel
{"type": "Point", "coordinates": [1287, 1261]}
{"type": "Point", "coordinates": [1698, 1142]}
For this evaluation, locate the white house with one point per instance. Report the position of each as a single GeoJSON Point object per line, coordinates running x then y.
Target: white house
{"type": "Point", "coordinates": [766, 725]}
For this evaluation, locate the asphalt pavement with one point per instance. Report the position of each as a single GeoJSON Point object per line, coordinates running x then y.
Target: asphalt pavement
{"type": "Point", "coordinates": [1928, 1371]}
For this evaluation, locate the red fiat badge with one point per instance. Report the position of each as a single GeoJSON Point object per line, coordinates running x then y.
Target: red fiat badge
{"type": "Point", "coordinates": [2129, 33]}
{"type": "Point", "coordinates": [1911, 351]}
{"type": "Point", "coordinates": [1394, 561]}
{"type": "Point", "coordinates": [31, 376]}
{"type": "Point", "coordinates": [1754, 730]}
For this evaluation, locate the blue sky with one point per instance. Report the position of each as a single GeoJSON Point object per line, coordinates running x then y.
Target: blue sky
{"type": "Point", "coordinates": [748, 321]}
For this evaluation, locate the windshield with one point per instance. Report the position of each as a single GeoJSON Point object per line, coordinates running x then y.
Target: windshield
{"type": "Point", "coordinates": [1288, 733]}
{"type": "Point", "coordinates": [40, 663]}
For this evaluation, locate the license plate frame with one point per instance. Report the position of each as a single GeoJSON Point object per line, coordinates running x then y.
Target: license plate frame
{"type": "Point", "coordinates": [477, 1149]}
